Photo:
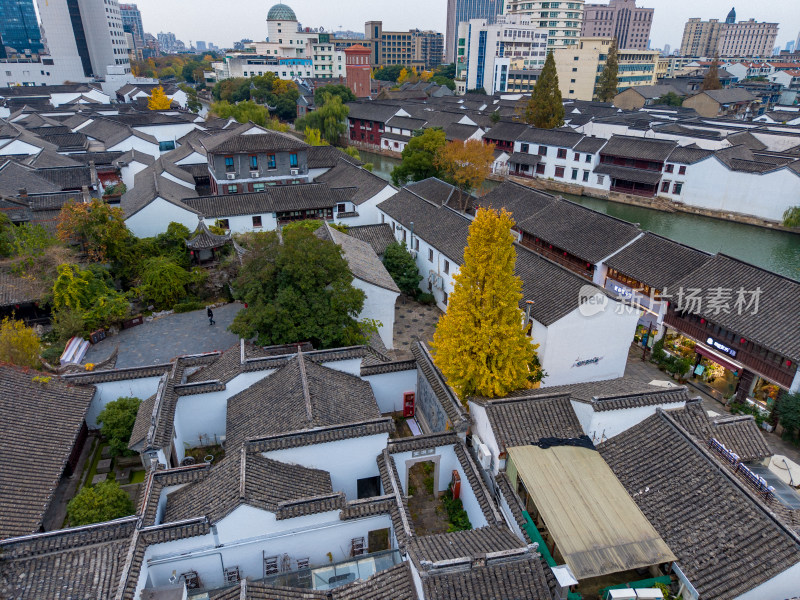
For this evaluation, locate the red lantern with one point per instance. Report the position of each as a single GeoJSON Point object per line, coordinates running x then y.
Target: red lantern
{"type": "Point", "coordinates": [565, 253]}
{"type": "Point", "coordinates": [742, 341]}
{"type": "Point", "coordinates": [702, 321]}
{"type": "Point", "coordinates": [788, 363]}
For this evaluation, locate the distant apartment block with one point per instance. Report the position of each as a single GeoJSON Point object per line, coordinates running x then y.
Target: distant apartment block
{"type": "Point", "coordinates": [620, 19]}
{"type": "Point", "coordinates": [460, 11]}
{"type": "Point", "coordinates": [563, 20]}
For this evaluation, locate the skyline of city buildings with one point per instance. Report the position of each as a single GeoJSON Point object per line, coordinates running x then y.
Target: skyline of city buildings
{"type": "Point", "coordinates": [621, 19]}
{"type": "Point", "coordinates": [19, 28]}
{"type": "Point", "coordinates": [460, 11]}
{"type": "Point", "coordinates": [728, 38]}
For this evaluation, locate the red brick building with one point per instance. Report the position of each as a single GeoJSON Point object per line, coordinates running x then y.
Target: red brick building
{"type": "Point", "coordinates": [357, 60]}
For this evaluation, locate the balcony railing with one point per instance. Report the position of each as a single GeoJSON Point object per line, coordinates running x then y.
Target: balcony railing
{"type": "Point", "coordinates": [560, 259]}
{"type": "Point", "coordinates": [779, 374]}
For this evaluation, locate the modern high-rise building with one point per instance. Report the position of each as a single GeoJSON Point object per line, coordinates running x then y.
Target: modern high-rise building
{"type": "Point", "coordinates": [132, 19]}
{"type": "Point", "coordinates": [488, 51]}
{"type": "Point", "coordinates": [620, 19]}
{"type": "Point", "coordinates": [563, 20]}
{"type": "Point", "coordinates": [19, 27]}
{"type": "Point", "coordinates": [413, 48]}
{"type": "Point", "coordinates": [460, 11]}
{"type": "Point", "coordinates": [85, 37]}
{"type": "Point", "coordinates": [745, 38]}
{"type": "Point", "coordinates": [667, 49]}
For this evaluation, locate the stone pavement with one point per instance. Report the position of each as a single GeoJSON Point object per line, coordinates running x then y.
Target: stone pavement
{"type": "Point", "coordinates": [164, 338]}
{"type": "Point", "coordinates": [647, 371]}
{"type": "Point", "coordinates": [412, 320]}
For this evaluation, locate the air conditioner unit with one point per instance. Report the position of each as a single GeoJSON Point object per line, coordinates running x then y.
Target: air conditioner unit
{"type": "Point", "coordinates": [438, 282]}
{"type": "Point", "coordinates": [294, 171]}
{"type": "Point", "coordinates": [484, 456]}
{"type": "Point", "coordinates": [253, 173]}
{"type": "Point", "coordinates": [231, 175]}
{"type": "Point", "coordinates": [413, 253]}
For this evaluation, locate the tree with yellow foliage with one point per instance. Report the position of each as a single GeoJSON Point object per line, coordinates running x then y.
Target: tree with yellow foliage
{"type": "Point", "coordinates": [19, 344]}
{"type": "Point", "coordinates": [480, 344]}
{"type": "Point", "coordinates": [159, 100]}
{"type": "Point", "coordinates": [314, 137]}
{"type": "Point", "coordinates": [465, 164]}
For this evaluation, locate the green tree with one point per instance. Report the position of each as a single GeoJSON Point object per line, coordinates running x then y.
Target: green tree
{"type": "Point", "coordinates": [98, 227]}
{"type": "Point", "coordinates": [419, 157]}
{"type": "Point", "coordinates": [388, 73]}
{"type": "Point", "coordinates": [89, 292]}
{"type": "Point", "coordinates": [480, 344]}
{"type": "Point", "coordinates": [6, 236]}
{"type": "Point", "coordinates": [344, 92]}
{"type": "Point", "coordinates": [545, 108]}
{"type": "Point", "coordinates": [247, 111]}
{"type": "Point", "coordinates": [104, 502]}
{"type": "Point", "coordinates": [163, 281]}
{"type": "Point", "coordinates": [495, 117]}
{"type": "Point", "coordinates": [789, 413]}
{"type": "Point", "coordinates": [670, 99]}
{"type": "Point", "coordinates": [192, 101]}
{"type": "Point", "coordinates": [446, 70]}
{"type": "Point", "coordinates": [298, 290]}
{"type": "Point", "coordinates": [19, 344]}
{"type": "Point", "coordinates": [28, 242]}
{"type": "Point", "coordinates": [607, 83]}
{"type": "Point", "coordinates": [116, 420]}
{"type": "Point", "coordinates": [403, 268]}
{"type": "Point", "coordinates": [445, 81]}
{"type": "Point", "coordinates": [314, 137]}
{"type": "Point", "coordinates": [711, 80]}
{"type": "Point", "coordinates": [791, 217]}
{"type": "Point", "coordinates": [479, 90]}
{"type": "Point", "coordinates": [353, 151]}
{"type": "Point", "coordinates": [330, 118]}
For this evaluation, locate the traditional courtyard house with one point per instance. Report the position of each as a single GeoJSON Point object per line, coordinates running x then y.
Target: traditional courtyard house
{"type": "Point", "coordinates": [504, 134]}
{"type": "Point", "coordinates": [366, 122]}
{"type": "Point", "coordinates": [43, 431]}
{"type": "Point", "coordinates": [576, 237]}
{"type": "Point", "coordinates": [369, 191]}
{"type": "Point", "coordinates": [107, 135]}
{"type": "Point", "coordinates": [154, 202]}
{"type": "Point", "coordinates": [249, 158]}
{"type": "Point", "coordinates": [722, 510]}
{"type": "Point", "coordinates": [270, 208]}
{"type": "Point", "coordinates": [549, 149]}
{"type": "Point", "coordinates": [576, 344]}
{"type": "Point", "coordinates": [370, 276]}
{"type": "Point", "coordinates": [742, 319]}
{"type": "Point", "coordinates": [167, 128]}
{"type": "Point", "coordinates": [379, 237]}
{"type": "Point", "coordinates": [633, 165]}
{"type": "Point", "coordinates": [643, 95]}
{"type": "Point", "coordinates": [130, 163]}
{"type": "Point", "coordinates": [732, 102]}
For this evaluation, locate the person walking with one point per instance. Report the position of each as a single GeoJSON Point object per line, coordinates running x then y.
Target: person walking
{"type": "Point", "coordinates": [210, 314]}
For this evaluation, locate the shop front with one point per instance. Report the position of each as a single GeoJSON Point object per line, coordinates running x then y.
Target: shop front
{"type": "Point", "coordinates": [644, 297]}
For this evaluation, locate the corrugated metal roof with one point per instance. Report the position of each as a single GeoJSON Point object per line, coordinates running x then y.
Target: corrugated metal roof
{"type": "Point", "coordinates": [595, 524]}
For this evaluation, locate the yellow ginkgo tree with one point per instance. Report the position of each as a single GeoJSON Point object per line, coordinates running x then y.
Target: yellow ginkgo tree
{"type": "Point", "coordinates": [159, 100]}
{"type": "Point", "coordinates": [480, 344]}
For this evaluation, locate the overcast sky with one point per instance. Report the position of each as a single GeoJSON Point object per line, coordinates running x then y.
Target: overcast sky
{"type": "Point", "coordinates": [223, 22]}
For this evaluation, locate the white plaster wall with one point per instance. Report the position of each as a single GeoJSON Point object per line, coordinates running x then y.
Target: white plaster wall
{"type": "Point", "coordinates": [783, 585]}
{"type": "Point", "coordinates": [167, 133]}
{"type": "Point", "coordinates": [368, 213]}
{"type": "Point", "coordinates": [195, 158]}
{"type": "Point", "coordinates": [19, 147]}
{"type": "Point", "coordinates": [482, 428]}
{"type": "Point", "coordinates": [346, 460]}
{"type": "Point", "coordinates": [710, 184]}
{"type": "Point", "coordinates": [379, 305]}
{"type": "Point", "coordinates": [180, 182]}
{"type": "Point", "coordinates": [351, 365]}
{"type": "Point", "coordinates": [136, 143]}
{"type": "Point", "coordinates": [205, 414]}
{"type": "Point", "coordinates": [129, 171]}
{"type": "Point", "coordinates": [109, 391]}
{"type": "Point", "coordinates": [389, 388]}
{"type": "Point", "coordinates": [605, 424]}
{"type": "Point", "coordinates": [244, 223]}
{"type": "Point", "coordinates": [574, 338]}
{"type": "Point", "coordinates": [156, 216]}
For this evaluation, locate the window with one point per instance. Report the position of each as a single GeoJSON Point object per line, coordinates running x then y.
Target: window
{"type": "Point", "coordinates": [229, 168]}
{"type": "Point", "coordinates": [257, 221]}
{"type": "Point", "coordinates": [676, 189]}
{"type": "Point", "coordinates": [444, 298]}
{"type": "Point", "coordinates": [524, 148]}
{"type": "Point", "coordinates": [588, 158]}
{"type": "Point", "coordinates": [577, 156]}
{"type": "Point", "coordinates": [682, 170]}
{"type": "Point", "coordinates": [341, 207]}
{"type": "Point", "coordinates": [293, 160]}
{"type": "Point", "coordinates": [540, 169]}
{"type": "Point", "coordinates": [669, 168]}
{"type": "Point", "coordinates": [223, 223]}
{"type": "Point", "coordinates": [430, 255]}
{"type": "Point", "coordinates": [575, 174]}
{"type": "Point", "coordinates": [446, 267]}
{"type": "Point", "coordinates": [562, 153]}
{"type": "Point", "coordinates": [586, 175]}
{"type": "Point", "coordinates": [369, 487]}
{"type": "Point", "coordinates": [259, 187]}
{"type": "Point", "coordinates": [559, 171]}
{"type": "Point", "coordinates": [600, 179]}
{"type": "Point", "coordinates": [665, 186]}
{"type": "Point", "coordinates": [542, 151]}
{"type": "Point", "coordinates": [271, 161]}
{"type": "Point", "coordinates": [253, 162]}
{"type": "Point", "coordinates": [416, 244]}
{"type": "Point", "coordinates": [233, 189]}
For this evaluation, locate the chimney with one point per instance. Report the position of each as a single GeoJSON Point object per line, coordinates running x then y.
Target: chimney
{"type": "Point", "coordinates": [23, 193]}
{"type": "Point", "coordinates": [85, 194]}
{"type": "Point", "coordinates": [93, 174]}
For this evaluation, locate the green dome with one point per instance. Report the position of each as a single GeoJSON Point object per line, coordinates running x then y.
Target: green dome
{"type": "Point", "coordinates": [281, 12]}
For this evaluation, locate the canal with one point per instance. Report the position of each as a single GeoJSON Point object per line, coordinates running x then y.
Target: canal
{"type": "Point", "coordinates": [777, 251]}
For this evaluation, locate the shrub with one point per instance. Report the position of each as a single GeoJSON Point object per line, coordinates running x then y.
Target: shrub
{"type": "Point", "coordinates": [403, 268]}
{"type": "Point", "coordinates": [104, 502]}
{"type": "Point", "coordinates": [19, 344]}
{"type": "Point", "coordinates": [188, 306]}
{"type": "Point", "coordinates": [426, 298]}
{"type": "Point", "coordinates": [117, 420]}
{"type": "Point", "coordinates": [458, 517]}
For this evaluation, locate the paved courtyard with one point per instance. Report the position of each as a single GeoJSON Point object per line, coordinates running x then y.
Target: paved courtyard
{"type": "Point", "coordinates": [164, 338]}
{"type": "Point", "coordinates": [412, 320]}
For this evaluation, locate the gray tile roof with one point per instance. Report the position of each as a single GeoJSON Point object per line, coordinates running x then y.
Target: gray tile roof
{"type": "Point", "coordinates": [441, 193]}
{"type": "Point", "coordinates": [444, 394]}
{"type": "Point", "coordinates": [320, 157]}
{"type": "Point", "coordinates": [629, 174]}
{"type": "Point", "coordinates": [523, 158]}
{"type": "Point", "coordinates": [299, 396]}
{"type": "Point", "coordinates": [730, 95]}
{"type": "Point", "coordinates": [746, 138]}
{"type": "Point", "coordinates": [149, 185]}
{"type": "Point", "coordinates": [85, 563]}
{"type": "Point", "coordinates": [522, 201]}
{"type": "Point", "coordinates": [377, 236]}
{"type": "Point", "coordinates": [718, 531]}
{"type": "Point", "coordinates": [203, 239]}
{"type": "Point", "coordinates": [654, 91]}
{"type": "Point", "coordinates": [278, 198]}
{"type": "Point", "coordinates": [590, 144]}
{"type": "Point", "coordinates": [372, 111]}
{"type": "Point", "coordinates": [347, 174]}
{"type": "Point", "coordinates": [563, 137]}
{"type": "Point", "coordinates": [657, 261]}
{"type": "Point", "coordinates": [364, 264]}
{"type": "Point", "coordinates": [775, 325]}
{"type": "Point", "coordinates": [688, 155]}
{"type": "Point", "coordinates": [255, 142]}
{"type": "Point", "coordinates": [67, 178]}
{"type": "Point", "coordinates": [242, 478]}
{"type": "Point", "coordinates": [48, 158]}
{"type": "Point", "coordinates": [16, 289]}
{"type": "Point", "coordinates": [506, 131]}
{"type": "Point", "coordinates": [15, 176]}
{"type": "Point", "coordinates": [463, 544]}
{"type": "Point", "coordinates": [39, 424]}
{"type": "Point", "coordinates": [639, 148]}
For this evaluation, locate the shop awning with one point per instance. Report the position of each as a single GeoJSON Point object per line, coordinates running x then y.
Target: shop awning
{"type": "Point", "coordinates": [720, 359]}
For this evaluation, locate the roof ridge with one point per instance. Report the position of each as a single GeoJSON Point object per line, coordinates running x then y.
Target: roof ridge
{"type": "Point", "coordinates": [304, 382]}
{"type": "Point", "coordinates": [767, 271]}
